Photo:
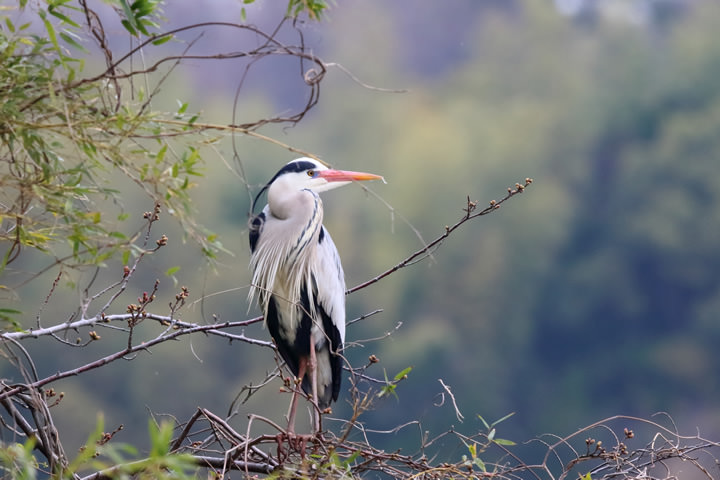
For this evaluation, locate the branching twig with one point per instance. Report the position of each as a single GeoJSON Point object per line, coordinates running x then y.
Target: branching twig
{"type": "Point", "coordinates": [213, 329]}
{"type": "Point", "coordinates": [470, 213]}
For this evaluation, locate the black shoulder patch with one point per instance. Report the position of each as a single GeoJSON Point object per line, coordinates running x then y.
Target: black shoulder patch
{"type": "Point", "coordinates": [275, 328]}
{"type": "Point", "coordinates": [254, 229]}
{"type": "Point", "coordinates": [322, 234]}
{"type": "Point", "coordinates": [336, 361]}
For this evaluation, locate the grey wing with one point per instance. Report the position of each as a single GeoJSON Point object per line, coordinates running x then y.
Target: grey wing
{"type": "Point", "coordinates": [331, 284]}
{"type": "Point", "coordinates": [330, 304]}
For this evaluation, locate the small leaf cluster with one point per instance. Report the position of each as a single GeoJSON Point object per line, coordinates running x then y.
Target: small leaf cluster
{"type": "Point", "coordinates": [17, 461]}
{"type": "Point", "coordinates": [121, 460]}
{"type": "Point", "coordinates": [111, 460]}
{"type": "Point", "coordinates": [313, 8]}
{"type": "Point", "coordinates": [475, 448]}
{"type": "Point", "coordinates": [139, 16]}
{"type": "Point", "coordinates": [391, 385]}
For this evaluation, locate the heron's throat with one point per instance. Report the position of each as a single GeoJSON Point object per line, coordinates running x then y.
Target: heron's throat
{"type": "Point", "coordinates": [309, 230]}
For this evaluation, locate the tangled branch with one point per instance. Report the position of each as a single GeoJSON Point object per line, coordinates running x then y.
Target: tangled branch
{"type": "Point", "coordinates": [602, 450]}
{"type": "Point", "coordinates": [34, 393]}
{"type": "Point", "coordinates": [657, 453]}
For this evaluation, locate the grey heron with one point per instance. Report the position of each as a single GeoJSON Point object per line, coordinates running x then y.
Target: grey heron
{"type": "Point", "coordinates": [298, 279]}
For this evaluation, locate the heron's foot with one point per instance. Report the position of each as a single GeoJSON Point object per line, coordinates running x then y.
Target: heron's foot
{"type": "Point", "coordinates": [296, 443]}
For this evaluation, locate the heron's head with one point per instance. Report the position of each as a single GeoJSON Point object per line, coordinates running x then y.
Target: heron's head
{"type": "Point", "coordinates": [309, 174]}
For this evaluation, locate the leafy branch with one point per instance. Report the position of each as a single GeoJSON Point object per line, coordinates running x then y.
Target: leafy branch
{"type": "Point", "coordinates": [62, 134]}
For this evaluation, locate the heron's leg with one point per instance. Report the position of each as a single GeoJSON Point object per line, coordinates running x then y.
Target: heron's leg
{"type": "Point", "coordinates": [313, 380]}
{"type": "Point", "coordinates": [302, 368]}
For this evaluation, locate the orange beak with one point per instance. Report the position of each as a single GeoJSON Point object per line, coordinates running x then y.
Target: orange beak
{"type": "Point", "coordinates": [347, 176]}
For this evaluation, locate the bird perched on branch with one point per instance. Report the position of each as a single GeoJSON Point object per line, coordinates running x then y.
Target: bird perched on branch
{"type": "Point", "coordinates": [298, 279]}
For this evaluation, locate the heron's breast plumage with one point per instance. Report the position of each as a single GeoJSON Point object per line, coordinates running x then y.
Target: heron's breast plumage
{"type": "Point", "coordinates": [284, 253]}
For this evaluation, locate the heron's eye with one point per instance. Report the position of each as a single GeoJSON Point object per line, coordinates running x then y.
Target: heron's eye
{"type": "Point", "coordinates": [311, 173]}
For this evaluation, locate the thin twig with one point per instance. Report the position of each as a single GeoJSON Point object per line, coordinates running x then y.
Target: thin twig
{"type": "Point", "coordinates": [469, 215]}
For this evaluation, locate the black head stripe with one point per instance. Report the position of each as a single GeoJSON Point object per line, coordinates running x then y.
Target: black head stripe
{"type": "Point", "coordinates": [257, 197]}
{"type": "Point", "coordinates": [294, 167]}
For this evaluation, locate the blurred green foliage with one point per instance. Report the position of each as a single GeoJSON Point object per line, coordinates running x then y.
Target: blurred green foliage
{"type": "Point", "coordinates": [596, 293]}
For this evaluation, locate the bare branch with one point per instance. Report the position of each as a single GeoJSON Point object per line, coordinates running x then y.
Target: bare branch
{"type": "Point", "coordinates": [470, 214]}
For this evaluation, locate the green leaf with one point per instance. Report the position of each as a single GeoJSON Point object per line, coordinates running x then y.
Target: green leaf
{"type": "Point", "coordinates": [172, 271]}
{"type": "Point", "coordinates": [50, 30]}
{"type": "Point", "coordinates": [129, 17]}
{"type": "Point", "coordinates": [142, 8]}
{"type": "Point", "coordinates": [503, 418]}
{"type": "Point", "coordinates": [9, 311]}
{"type": "Point", "coordinates": [160, 437]}
{"type": "Point", "coordinates": [163, 39]}
{"type": "Point", "coordinates": [100, 259]}
{"type": "Point", "coordinates": [6, 315]}
{"type": "Point", "coordinates": [349, 461]}
{"type": "Point", "coordinates": [389, 388]}
{"type": "Point", "coordinates": [71, 41]}
{"type": "Point", "coordinates": [473, 450]}
{"type": "Point", "coordinates": [402, 374]}
{"type": "Point", "coordinates": [89, 450]}
{"type": "Point", "coordinates": [487, 427]}
{"type": "Point", "coordinates": [52, 11]}
{"type": "Point", "coordinates": [129, 27]}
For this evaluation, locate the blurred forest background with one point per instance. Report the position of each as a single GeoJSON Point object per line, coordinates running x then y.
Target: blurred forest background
{"type": "Point", "coordinates": [593, 294]}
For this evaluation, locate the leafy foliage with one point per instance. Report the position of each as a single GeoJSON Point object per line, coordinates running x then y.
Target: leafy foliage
{"type": "Point", "coordinates": [62, 135]}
